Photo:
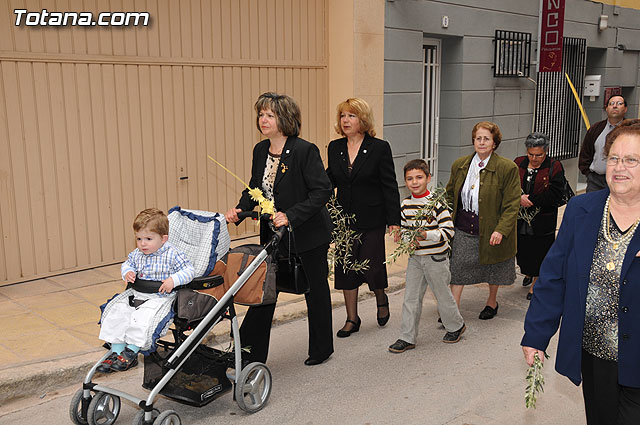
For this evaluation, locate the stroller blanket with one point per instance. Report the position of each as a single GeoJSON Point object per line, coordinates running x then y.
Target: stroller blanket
{"type": "Point", "coordinates": [142, 325]}
{"type": "Point", "coordinates": [201, 235]}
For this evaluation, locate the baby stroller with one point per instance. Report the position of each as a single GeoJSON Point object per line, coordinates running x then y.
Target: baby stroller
{"type": "Point", "coordinates": [184, 369]}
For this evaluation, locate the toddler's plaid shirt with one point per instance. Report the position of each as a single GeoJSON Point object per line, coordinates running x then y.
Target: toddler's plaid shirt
{"type": "Point", "coordinates": [162, 264]}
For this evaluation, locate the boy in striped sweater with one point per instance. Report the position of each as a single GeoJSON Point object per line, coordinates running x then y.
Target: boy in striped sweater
{"type": "Point", "coordinates": [429, 264]}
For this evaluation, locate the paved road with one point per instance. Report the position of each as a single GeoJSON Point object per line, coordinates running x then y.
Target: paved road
{"type": "Point", "coordinates": [479, 381]}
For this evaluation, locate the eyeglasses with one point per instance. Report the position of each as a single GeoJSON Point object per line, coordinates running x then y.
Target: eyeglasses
{"type": "Point", "coordinates": [614, 103]}
{"type": "Point", "coordinates": [482, 139]}
{"type": "Point", "coordinates": [627, 161]}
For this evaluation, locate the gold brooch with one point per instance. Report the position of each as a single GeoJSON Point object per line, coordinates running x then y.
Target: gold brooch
{"type": "Point", "coordinates": [283, 168]}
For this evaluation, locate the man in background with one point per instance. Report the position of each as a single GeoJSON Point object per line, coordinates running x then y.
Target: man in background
{"type": "Point", "coordinates": [591, 160]}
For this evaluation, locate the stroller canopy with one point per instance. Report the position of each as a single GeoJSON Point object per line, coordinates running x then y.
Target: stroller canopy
{"type": "Point", "coordinates": [201, 235]}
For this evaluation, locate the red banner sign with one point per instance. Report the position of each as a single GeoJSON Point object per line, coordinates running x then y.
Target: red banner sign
{"type": "Point", "coordinates": [550, 40]}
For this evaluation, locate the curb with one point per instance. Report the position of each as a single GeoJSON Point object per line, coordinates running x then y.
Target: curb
{"type": "Point", "coordinates": [38, 379]}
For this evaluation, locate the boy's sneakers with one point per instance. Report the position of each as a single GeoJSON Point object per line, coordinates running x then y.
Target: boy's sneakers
{"type": "Point", "coordinates": [105, 366]}
{"type": "Point", "coordinates": [401, 346]}
{"type": "Point", "coordinates": [453, 337]}
{"type": "Point", "coordinates": [126, 360]}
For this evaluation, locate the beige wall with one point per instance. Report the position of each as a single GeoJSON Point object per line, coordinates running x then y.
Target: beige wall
{"type": "Point", "coordinates": [99, 123]}
{"type": "Point", "coordinates": [356, 55]}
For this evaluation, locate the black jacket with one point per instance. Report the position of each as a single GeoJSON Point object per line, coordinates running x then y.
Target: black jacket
{"type": "Point", "coordinates": [588, 149]}
{"type": "Point", "coordinates": [547, 192]}
{"type": "Point", "coordinates": [301, 190]}
{"type": "Point", "coordinates": [371, 190]}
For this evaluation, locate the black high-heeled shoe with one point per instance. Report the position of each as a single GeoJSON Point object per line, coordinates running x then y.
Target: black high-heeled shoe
{"type": "Point", "coordinates": [343, 333]}
{"type": "Point", "coordinates": [383, 320]}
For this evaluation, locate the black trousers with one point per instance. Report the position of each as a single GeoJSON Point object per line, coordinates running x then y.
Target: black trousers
{"type": "Point", "coordinates": [255, 330]}
{"type": "Point", "coordinates": [606, 402]}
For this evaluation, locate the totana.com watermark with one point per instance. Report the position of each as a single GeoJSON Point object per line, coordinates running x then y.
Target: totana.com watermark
{"type": "Point", "coordinates": [82, 19]}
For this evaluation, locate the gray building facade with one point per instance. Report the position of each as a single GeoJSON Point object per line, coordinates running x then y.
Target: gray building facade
{"type": "Point", "coordinates": [439, 81]}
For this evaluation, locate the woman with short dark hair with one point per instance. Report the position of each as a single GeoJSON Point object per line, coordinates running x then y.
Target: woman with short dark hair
{"type": "Point", "coordinates": [541, 193]}
{"type": "Point", "coordinates": [290, 172]}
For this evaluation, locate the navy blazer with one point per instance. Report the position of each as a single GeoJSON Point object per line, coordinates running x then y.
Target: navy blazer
{"type": "Point", "coordinates": [561, 293]}
{"type": "Point", "coordinates": [301, 190]}
{"type": "Point", "coordinates": [371, 190]}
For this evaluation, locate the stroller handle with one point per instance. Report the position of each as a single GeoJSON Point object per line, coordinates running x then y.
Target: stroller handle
{"type": "Point", "coordinates": [247, 214]}
{"type": "Point", "coordinates": [278, 234]}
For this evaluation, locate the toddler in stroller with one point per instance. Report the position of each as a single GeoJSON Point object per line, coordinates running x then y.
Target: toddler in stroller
{"type": "Point", "coordinates": [184, 369]}
{"type": "Point", "coordinates": [133, 319]}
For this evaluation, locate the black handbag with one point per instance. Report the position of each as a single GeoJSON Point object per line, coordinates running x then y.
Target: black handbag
{"type": "Point", "coordinates": [567, 192]}
{"type": "Point", "coordinates": [290, 275]}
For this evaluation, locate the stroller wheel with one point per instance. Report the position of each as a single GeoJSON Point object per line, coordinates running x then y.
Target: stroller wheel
{"type": "Point", "coordinates": [103, 409]}
{"type": "Point", "coordinates": [75, 409]}
{"type": "Point", "coordinates": [253, 387]}
{"type": "Point", "coordinates": [138, 419]}
{"type": "Point", "coordinates": [168, 417]}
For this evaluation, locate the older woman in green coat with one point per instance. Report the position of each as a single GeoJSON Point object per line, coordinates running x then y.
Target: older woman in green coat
{"type": "Point", "coordinates": [484, 190]}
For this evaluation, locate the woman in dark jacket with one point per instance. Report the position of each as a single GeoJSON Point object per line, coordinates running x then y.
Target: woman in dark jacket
{"type": "Point", "coordinates": [541, 193]}
{"type": "Point", "coordinates": [290, 172]}
{"type": "Point", "coordinates": [361, 168]}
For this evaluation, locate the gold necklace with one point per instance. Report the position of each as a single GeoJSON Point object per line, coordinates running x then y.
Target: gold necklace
{"type": "Point", "coordinates": [616, 244]}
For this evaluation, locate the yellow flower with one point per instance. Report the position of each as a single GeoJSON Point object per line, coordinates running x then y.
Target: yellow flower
{"type": "Point", "coordinates": [256, 195]}
{"type": "Point", "coordinates": [267, 207]}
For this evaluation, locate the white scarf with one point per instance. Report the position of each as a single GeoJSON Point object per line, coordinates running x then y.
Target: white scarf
{"type": "Point", "coordinates": [471, 187]}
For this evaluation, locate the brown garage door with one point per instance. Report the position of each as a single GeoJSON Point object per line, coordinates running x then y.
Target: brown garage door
{"type": "Point", "coordinates": [97, 123]}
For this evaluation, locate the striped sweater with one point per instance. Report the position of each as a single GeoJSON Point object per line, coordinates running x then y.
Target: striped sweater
{"type": "Point", "coordinates": [439, 231]}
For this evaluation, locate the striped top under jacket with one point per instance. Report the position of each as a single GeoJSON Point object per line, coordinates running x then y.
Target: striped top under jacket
{"type": "Point", "coordinates": [439, 230]}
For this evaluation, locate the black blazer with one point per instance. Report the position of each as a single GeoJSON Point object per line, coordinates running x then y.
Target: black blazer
{"type": "Point", "coordinates": [371, 190]}
{"type": "Point", "coordinates": [301, 190]}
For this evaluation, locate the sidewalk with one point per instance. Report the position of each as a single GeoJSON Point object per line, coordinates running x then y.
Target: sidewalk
{"type": "Point", "coordinates": [49, 335]}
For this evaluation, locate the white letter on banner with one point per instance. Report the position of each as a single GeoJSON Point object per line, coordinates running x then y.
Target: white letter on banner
{"type": "Point", "coordinates": [551, 38]}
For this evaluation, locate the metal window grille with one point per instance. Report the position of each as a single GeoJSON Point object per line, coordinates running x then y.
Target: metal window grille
{"type": "Point", "coordinates": [430, 108]}
{"type": "Point", "coordinates": [557, 113]}
{"type": "Point", "coordinates": [512, 54]}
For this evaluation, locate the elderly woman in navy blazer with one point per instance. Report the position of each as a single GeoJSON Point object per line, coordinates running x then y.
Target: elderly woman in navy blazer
{"type": "Point", "coordinates": [361, 168]}
{"type": "Point", "coordinates": [591, 280]}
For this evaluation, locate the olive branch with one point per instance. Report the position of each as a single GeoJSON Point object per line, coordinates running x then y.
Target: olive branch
{"type": "Point", "coordinates": [409, 236]}
{"type": "Point", "coordinates": [535, 382]}
{"type": "Point", "coordinates": [527, 213]}
{"type": "Point", "coordinates": [342, 239]}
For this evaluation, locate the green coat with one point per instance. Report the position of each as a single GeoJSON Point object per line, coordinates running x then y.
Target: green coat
{"type": "Point", "coordinates": [499, 201]}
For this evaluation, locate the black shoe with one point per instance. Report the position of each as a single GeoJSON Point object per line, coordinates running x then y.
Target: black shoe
{"type": "Point", "coordinates": [312, 362]}
{"type": "Point", "coordinates": [401, 346]}
{"type": "Point", "coordinates": [453, 337]}
{"type": "Point", "coordinates": [383, 320]}
{"type": "Point", "coordinates": [343, 333]}
{"type": "Point", "coordinates": [529, 295]}
{"type": "Point", "coordinates": [488, 313]}
{"type": "Point", "coordinates": [527, 280]}
{"type": "Point", "coordinates": [125, 361]}
{"type": "Point", "coordinates": [105, 365]}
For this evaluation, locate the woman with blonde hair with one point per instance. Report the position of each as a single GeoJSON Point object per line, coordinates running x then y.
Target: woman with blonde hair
{"type": "Point", "coordinates": [361, 169]}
